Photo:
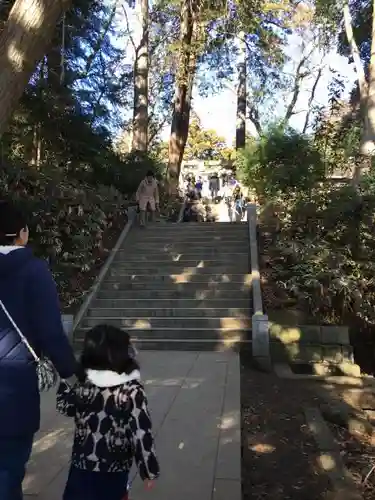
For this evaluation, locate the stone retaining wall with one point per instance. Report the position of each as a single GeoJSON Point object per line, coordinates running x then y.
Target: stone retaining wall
{"type": "Point", "coordinates": [324, 347]}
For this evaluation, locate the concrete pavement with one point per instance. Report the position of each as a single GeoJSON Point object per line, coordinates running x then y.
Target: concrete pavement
{"type": "Point", "coordinates": [195, 403]}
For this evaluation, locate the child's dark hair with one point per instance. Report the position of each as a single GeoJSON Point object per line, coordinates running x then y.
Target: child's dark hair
{"type": "Point", "coordinates": [12, 221]}
{"type": "Point", "coordinates": [108, 348]}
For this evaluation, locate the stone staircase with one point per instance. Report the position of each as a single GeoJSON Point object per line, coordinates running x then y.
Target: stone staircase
{"type": "Point", "coordinates": [178, 286]}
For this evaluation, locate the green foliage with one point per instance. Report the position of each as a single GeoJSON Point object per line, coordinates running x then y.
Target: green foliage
{"type": "Point", "coordinates": [128, 173]}
{"type": "Point", "coordinates": [206, 144]}
{"type": "Point", "coordinates": [281, 162]}
{"type": "Point", "coordinates": [324, 253]}
{"type": "Point", "coordinates": [68, 220]}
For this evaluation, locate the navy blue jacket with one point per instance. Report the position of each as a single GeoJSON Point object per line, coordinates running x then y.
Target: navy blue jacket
{"type": "Point", "coordinates": [29, 293]}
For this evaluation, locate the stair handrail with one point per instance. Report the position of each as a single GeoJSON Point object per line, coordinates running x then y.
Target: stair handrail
{"type": "Point", "coordinates": [260, 325]}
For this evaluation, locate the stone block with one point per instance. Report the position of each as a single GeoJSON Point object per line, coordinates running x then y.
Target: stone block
{"type": "Point", "coordinates": [349, 369]}
{"type": "Point", "coordinates": [300, 353]}
{"type": "Point", "coordinates": [293, 352]}
{"type": "Point", "coordinates": [278, 352]}
{"type": "Point", "coordinates": [311, 353]}
{"type": "Point", "coordinates": [332, 354]}
{"type": "Point", "coordinates": [260, 334]}
{"type": "Point", "coordinates": [310, 334]}
{"type": "Point", "coordinates": [321, 369]}
{"type": "Point", "coordinates": [335, 335]}
{"type": "Point", "coordinates": [285, 334]}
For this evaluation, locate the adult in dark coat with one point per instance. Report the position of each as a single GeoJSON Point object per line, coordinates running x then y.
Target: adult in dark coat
{"type": "Point", "coordinates": [28, 292]}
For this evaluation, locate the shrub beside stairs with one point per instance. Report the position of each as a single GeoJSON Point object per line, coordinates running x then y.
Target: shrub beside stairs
{"type": "Point", "coordinates": [177, 287]}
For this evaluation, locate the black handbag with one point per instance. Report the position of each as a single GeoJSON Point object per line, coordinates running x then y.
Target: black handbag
{"type": "Point", "coordinates": [46, 372]}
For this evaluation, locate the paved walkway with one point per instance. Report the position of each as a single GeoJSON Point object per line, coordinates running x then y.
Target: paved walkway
{"type": "Point", "coordinates": [222, 213]}
{"type": "Point", "coordinates": [195, 404]}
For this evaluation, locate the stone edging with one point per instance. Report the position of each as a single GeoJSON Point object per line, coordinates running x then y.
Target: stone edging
{"type": "Point", "coordinates": [260, 324]}
{"type": "Point", "coordinates": [330, 460]}
{"type": "Point", "coordinates": [103, 272]}
{"type": "Point", "coordinates": [283, 370]}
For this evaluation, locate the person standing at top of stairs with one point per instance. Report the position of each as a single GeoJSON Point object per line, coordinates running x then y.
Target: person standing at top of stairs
{"type": "Point", "coordinates": [147, 196]}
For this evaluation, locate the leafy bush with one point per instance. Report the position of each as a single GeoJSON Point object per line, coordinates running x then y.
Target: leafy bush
{"type": "Point", "coordinates": [325, 252]}
{"type": "Point", "coordinates": [281, 162]}
{"type": "Point", "coordinates": [128, 172]}
{"type": "Point", "coordinates": [67, 221]}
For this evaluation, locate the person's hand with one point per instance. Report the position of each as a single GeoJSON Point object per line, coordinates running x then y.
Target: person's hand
{"type": "Point", "coordinates": [149, 484]}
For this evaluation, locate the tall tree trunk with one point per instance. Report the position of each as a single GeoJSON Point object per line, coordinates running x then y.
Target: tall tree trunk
{"type": "Point", "coordinates": [23, 42]}
{"type": "Point", "coordinates": [366, 92]}
{"type": "Point", "coordinates": [141, 64]}
{"type": "Point", "coordinates": [311, 99]}
{"type": "Point", "coordinates": [299, 76]}
{"type": "Point", "coordinates": [255, 118]}
{"type": "Point", "coordinates": [241, 95]}
{"type": "Point", "coordinates": [368, 139]}
{"type": "Point", "coordinates": [36, 154]}
{"type": "Point", "coordinates": [183, 93]}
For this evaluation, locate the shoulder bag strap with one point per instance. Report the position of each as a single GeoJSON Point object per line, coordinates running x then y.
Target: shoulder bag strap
{"type": "Point", "coordinates": [23, 338]}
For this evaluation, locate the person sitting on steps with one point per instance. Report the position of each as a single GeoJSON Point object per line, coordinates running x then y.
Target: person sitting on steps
{"type": "Point", "coordinates": [147, 196]}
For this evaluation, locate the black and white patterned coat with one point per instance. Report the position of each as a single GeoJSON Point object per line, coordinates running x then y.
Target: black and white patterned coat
{"type": "Point", "coordinates": [112, 423]}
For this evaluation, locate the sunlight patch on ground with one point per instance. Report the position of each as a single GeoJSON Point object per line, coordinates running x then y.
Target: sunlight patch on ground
{"type": "Point", "coordinates": [141, 324]}
{"type": "Point", "coordinates": [228, 342]}
{"type": "Point", "coordinates": [247, 280]}
{"type": "Point", "coordinates": [262, 448]}
{"type": "Point", "coordinates": [230, 420]}
{"type": "Point", "coordinates": [234, 323]}
{"type": "Point", "coordinates": [185, 276]}
{"type": "Point", "coordinates": [326, 461]}
{"type": "Point", "coordinates": [173, 382]}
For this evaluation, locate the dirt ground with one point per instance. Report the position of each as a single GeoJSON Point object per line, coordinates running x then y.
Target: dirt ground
{"type": "Point", "coordinates": [278, 455]}
{"type": "Point", "coordinates": [358, 453]}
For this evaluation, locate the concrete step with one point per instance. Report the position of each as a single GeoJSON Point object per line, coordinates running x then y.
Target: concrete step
{"type": "Point", "coordinates": [196, 225]}
{"type": "Point", "coordinates": [186, 235]}
{"type": "Point", "coordinates": [184, 230]}
{"type": "Point", "coordinates": [183, 292]}
{"type": "Point", "coordinates": [183, 286]}
{"type": "Point", "coordinates": [186, 255]}
{"type": "Point", "coordinates": [171, 303]}
{"type": "Point", "coordinates": [171, 312]}
{"type": "Point", "coordinates": [173, 271]}
{"type": "Point", "coordinates": [183, 261]}
{"type": "Point", "coordinates": [188, 344]}
{"type": "Point", "coordinates": [178, 323]}
{"type": "Point", "coordinates": [175, 267]}
{"type": "Point", "coordinates": [183, 277]}
{"type": "Point", "coordinates": [175, 335]}
{"type": "Point", "coordinates": [178, 243]}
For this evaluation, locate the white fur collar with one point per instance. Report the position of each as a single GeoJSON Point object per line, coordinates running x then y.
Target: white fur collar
{"type": "Point", "coordinates": [4, 250]}
{"type": "Point", "coordinates": [106, 378]}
